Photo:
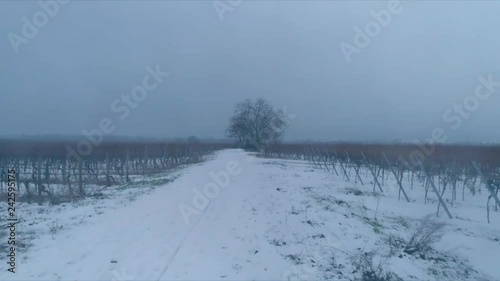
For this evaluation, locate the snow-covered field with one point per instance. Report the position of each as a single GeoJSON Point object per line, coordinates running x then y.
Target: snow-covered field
{"type": "Point", "coordinates": [237, 217]}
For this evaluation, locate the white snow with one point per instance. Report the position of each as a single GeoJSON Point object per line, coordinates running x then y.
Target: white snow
{"type": "Point", "coordinates": [273, 220]}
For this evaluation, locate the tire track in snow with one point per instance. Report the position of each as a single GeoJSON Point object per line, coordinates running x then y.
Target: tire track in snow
{"type": "Point", "coordinates": [171, 259]}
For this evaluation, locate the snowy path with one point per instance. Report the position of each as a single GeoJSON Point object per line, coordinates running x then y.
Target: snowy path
{"type": "Point", "coordinates": [150, 240]}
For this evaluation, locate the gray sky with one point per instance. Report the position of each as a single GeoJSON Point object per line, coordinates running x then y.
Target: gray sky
{"type": "Point", "coordinates": [427, 58]}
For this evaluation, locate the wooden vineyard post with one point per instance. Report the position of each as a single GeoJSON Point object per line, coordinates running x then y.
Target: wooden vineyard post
{"type": "Point", "coordinates": [436, 191]}
{"type": "Point", "coordinates": [397, 178]}
{"type": "Point", "coordinates": [485, 180]}
{"type": "Point", "coordinates": [145, 159]}
{"type": "Point", "coordinates": [47, 172]}
{"type": "Point", "coordinates": [355, 170]}
{"type": "Point", "coordinates": [80, 177]}
{"type": "Point", "coordinates": [66, 174]}
{"type": "Point", "coordinates": [164, 160]}
{"type": "Point", "coordinates": [307, 154]}
{"type": "Point", "coordinates": [324, 159]}
{"type": "Point", "coordinates": [127, 167]}
{"type": "Point", "coordinates": [18, 171]}
{"type": "Point", "coordinates": [342, 166]}
{"type": "Point", "coordinates": [39, 176]}
{"type": "Point", "coordinates": [63, 170]}
{"type": "Point", "coordinates": [333, 163]}
{"type": "Point", "coordinates": [108, 176]}
{"type": "Point", "coordinates": [373, 172]}
{"type": "Point", "coordinates": [313, 157]}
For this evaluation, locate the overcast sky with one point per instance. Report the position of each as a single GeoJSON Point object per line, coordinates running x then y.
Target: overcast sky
{"type": "Point", "coordinates": [429, 57]}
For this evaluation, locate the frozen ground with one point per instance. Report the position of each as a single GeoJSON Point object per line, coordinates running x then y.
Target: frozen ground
{"type": "Point", "coordinates": [263, 219]}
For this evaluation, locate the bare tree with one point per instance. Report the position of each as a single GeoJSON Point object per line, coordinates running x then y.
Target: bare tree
{"type": "Point", "coordinates": [256, 123]}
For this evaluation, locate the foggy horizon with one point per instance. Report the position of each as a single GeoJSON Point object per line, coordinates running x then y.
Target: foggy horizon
{"type": "Point", "coordinates": [398, 88]}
